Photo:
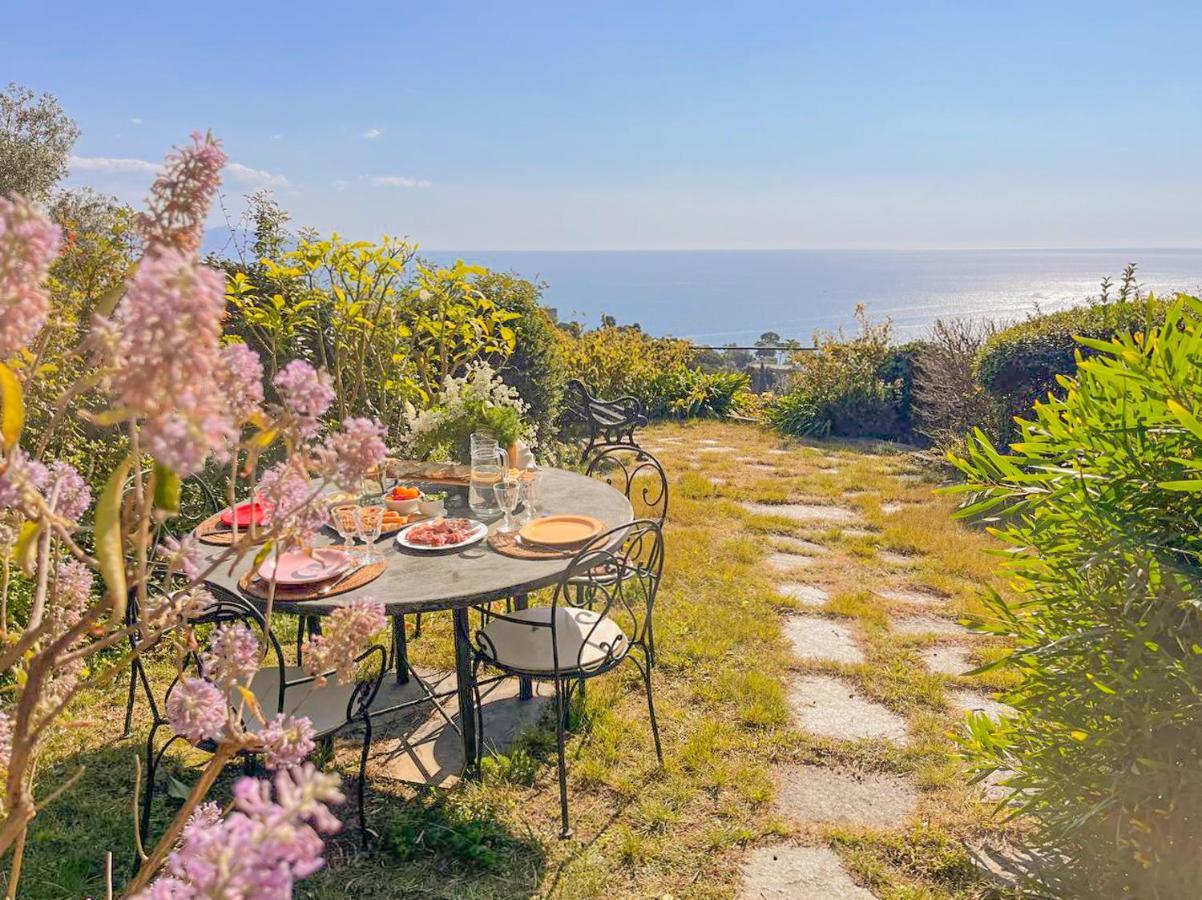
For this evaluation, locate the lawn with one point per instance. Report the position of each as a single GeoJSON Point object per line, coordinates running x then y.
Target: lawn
{"type": "Point", "coordinates": [725, 673]}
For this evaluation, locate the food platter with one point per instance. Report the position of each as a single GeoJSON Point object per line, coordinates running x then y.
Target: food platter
{"type": "Point", "coordinates": [434, 535]}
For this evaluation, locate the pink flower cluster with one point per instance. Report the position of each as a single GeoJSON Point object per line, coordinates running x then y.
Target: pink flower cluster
{"type": "Point", "coordinates": [20, 478]}
{"type": "Point", "coordinates": [346, 456]}
{"type": "Point", "coordinates": [305, 392]}
{"type": "Point", "coordinates": [6, 740]}
{"type": "Point", "coordinates": [165, 610]}
{"type": "Point", "coordinates": [287, 741]}
{"type": "Point", "coordinates": [233, 654]}
{"type": "Point", "coordinates": [181, 196]}
{"type": "Point", "coordinates": [289, 498]}
{"type": "Point", "coordinates": [72, 591]}
{"type": "Point", "coordinates": [182, 555]}
{"type": "Point", "coordinates": [262, 848]}
{"type": "Point", "coordinates": [346, 633]}
{"type": "Point", "coordinates": [28, 245]}
{"type": "Point", "coordinates": [167, 361]}
{"type": "Point", "coordinates": [197, 710]}
{"type": "Point", "coordinates": [71, 493]}
{"type": "Point", "coordinates": [241, 379]}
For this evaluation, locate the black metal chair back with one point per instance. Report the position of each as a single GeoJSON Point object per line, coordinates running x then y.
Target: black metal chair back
{"type": "Point", "coordinates": [602, 422]}
{"type": "Point", "coordinates": [638, 475]}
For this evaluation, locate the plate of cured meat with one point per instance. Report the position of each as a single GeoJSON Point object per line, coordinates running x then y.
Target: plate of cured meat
{"type": "Point", "coordinates": [442, 534]}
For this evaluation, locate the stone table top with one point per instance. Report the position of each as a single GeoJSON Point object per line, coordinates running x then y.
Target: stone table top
{"type": "Point", "coordinates": [421, 581]}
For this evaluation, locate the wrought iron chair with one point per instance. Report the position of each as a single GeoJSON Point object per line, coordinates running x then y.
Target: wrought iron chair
{"type": "Point", "coordinates": [604, 422]}
{"type": "Point", "coordinates": [278, 688]}
{"type": "Point", "coordinates": [566, 643]}
{"type": "Point", "coordinates": [637, 474]}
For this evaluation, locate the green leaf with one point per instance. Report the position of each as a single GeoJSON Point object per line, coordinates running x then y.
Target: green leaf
{"type": "Point", "coordinates": [166, 489]}
{"type": "Point", "coordinates": [25, 552]}
{"type": "Point", "coordinates": [110, 540]}
{"type": "Point", "coordinates": [12, 407]}
{"type": "Point", "coordinates": [1194, 485]}
{"type": "Point", "coordinates": [176, 789]}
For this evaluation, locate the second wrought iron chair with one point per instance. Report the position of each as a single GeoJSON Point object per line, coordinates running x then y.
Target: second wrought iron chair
{"type": "Point", "coordinates": [567, 643]}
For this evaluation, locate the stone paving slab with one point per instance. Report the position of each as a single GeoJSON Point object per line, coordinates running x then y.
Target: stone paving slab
{"type": "Point", "coordinates": [803, 512]}
{"type": "Point", "coordinates": [906, 595]}
{"type": "Point", "coordinates": [788, 872]}
{"type": "Point", "coordinates": [716, 450]}
{"type": "Point", "coordinates": [929, 625]}
{"type": "Point", "coordinates": [893, 558]}
{"type": "Point", "coordinates": [971, 701]}
{"type": "Point", "coordinates": [815, 638]}
{"type": "Point", "coordinates": [831, 707]}
{"type": "Point", "coordinates": [786, 562]}
{"type": "Point", "coordinates": [799, 545]}
{"type": "Point", "coordinates": [779, 452]}
{"type": "Point", "coordinates": [808, 594]}
{"type": "Point", "coordinates": [948, 659]}
{"type": "Point", "coordinates": [822, 796]}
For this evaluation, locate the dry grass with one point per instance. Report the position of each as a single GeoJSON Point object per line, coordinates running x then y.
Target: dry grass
{"type": "Point", "coordinates": [721, 693]}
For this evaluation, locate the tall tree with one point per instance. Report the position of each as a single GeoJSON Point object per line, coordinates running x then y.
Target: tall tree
{"type": "Point", "coordinates": [36, 138]}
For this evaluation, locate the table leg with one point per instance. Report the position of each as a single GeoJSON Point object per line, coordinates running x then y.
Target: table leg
{"type": "Point", "coordinates": [525, 685]}
{"type": "Point", "coordinates": [401, 647]}
{"type": "Point", "coordinates": [467, 699]}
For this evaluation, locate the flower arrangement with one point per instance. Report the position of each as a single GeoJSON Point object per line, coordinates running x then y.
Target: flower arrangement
{"type": "Point", "coordinates": [180, 400]}
{"type": "Point", "coordinates": [476, 401]}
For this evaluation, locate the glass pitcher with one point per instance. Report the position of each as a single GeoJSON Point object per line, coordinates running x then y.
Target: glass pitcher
{"type": "Point", "coordinates": [489, 464]}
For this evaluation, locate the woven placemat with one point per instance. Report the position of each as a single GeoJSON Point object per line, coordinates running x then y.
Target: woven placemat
{"type": "Point", "coordinates": [509, 545]}
{"type": "Point", "coordinates": [258, 587]}
{"type": "Point", "coordinates": [212, 531]}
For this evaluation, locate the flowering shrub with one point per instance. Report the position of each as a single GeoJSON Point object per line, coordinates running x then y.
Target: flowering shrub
{"type": "Point", "coordinates": [477, 401]}
{"type": "Point", "coordinates": [173, 400]}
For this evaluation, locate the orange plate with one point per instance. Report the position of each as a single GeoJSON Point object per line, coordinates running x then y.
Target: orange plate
{"type": "Point", "coordinates": [561, 531]}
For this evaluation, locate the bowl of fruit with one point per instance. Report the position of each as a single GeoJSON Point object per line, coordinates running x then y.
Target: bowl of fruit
{"type": "Point", "coordinates": [403, 499]}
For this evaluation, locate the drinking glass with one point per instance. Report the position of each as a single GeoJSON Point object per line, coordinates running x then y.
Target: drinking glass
{"type": "Point", "coordinates": [529, 482]}
{"type": "Point", "coordinates": [369, 520]}
{"type": "Point", "coordinates": [345, 519]}
{"type": "Point", "coordinates": [507, 496]}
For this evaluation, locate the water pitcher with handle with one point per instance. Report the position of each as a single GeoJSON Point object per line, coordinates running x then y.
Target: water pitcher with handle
{"type": "Point", "coordinates": [489, 465]}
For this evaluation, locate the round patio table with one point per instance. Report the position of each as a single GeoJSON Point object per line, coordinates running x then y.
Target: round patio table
{"type": "Point", "coordinates": [429, 581]}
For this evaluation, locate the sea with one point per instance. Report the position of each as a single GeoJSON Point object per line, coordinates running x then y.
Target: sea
{"type": "Point", "coordinates": [734, 296]}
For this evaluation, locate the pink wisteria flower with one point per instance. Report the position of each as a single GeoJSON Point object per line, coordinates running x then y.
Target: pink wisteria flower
{"type": "Point", "coordinates": [287, 741]}
{"type": "Point", "coordinates": [6, 740]}
{"type": "Point", "coordinates": [73, 583]}
{"type": "Point", "coordinates": [182, 555]}
{"type": "Point", "coordinates": [165, 610]}
{"type": "Point", "coordinates": [20, 478]}
{"type": "Point", "coordinates": [241, 377]}
{"type": "Point", "coordinates": [197, 710]}
{"type": "Point", "coordinates": [305, 392]}
{"type": "Point", "coordinates": [346, 456]}
{"type": "Point", "coordinates": [345, 634]}
{"type": "Point", "coordinates": [28, 245]}
{"type": "Point", "coordinates": [181, 196]}
{"type": "Point", "coordinates": [232, 656]}
{"type": "Point", "coordinates": [166, 358]}
{"type": "Point", "coordinates": [262, 848]}
{"type": "Point", "coordinates": [71, 493]}
{"type": "Point", "coordinates": [289, 496]}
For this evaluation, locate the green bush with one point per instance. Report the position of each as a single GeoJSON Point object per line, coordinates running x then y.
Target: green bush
{"type": "Point", "coordinates": [1019, 365]}
{"type": "Point", "coordinates": [692, 394]}
{"type": "Point", "coordinates": [1099, 501]}
{"type": "Point", "coordinates": [851, 387]}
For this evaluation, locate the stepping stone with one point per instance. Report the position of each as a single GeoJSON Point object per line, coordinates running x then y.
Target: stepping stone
{"type": "Point", "coordinates": [717, 481]}
{"type": "Point", "coordinates": [803, 512]}
{"type": "Point", "coordinates": [827, 470]}
{"type": "Point", "coordinates": [707, 441]}
{"type": "Point", "coordinates": [857, 533]}
{"type": "Point", "coordinates": [950, 659]}
{"type": "Point", "coordinates": [671, 441]}
{"type": "Point", "coordinates": [784, 562]}
{"type": "Point", "coordinates": [787, 872]}
{"type": "Point", "coordinates": [993, 788]}
{"type": "Point", "coordinates": [648, 449]}
{"type": "Point", "coordinates": [808, 594]}
{"type": "Point", "coordinates": [799, 545]}
{"type": "Point", "coordinates": [821, 796]}
{"type": "Point", "coordinates": [894, 559]}
{"type": "Point", "coordinates": [716, 450]}
{"type": "Point", "coordinates": [745, 459]}
{"type": "Point", "coordinates": [779, 452]}
{"type": "Point", "coordinates": [902, 595]}
{"type": "Point", "coordinates": [830, 707]}
{"type": "Point", "coordinates": [971, 701]}
{"type": "Point", "coordinates": [760, 467]}
{"type": "Point", "coordinates": [814, 638]}
{"type": "Point", "coordinates": [928, 625]}
{"type": "Point", "coordinates": [891, 508]}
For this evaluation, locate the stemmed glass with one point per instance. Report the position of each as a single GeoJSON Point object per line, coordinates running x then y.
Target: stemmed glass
{"type": "Point", "coordinates": [529, 483]}
{"type": "Point", "coordinates": [345, 519]}
{"type": "Point", "coordinates": [369, 520]}
{"type": "Point", "coordinates": [508, 493]}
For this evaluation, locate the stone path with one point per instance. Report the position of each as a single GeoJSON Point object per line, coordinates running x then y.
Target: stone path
{"type": "Point", "coordinates": [829, 704]}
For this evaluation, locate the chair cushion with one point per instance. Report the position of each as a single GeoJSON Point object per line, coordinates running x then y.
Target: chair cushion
{"type": "Point", "coordinates": [585, 640]}
{"type": "Point", "coordinates": [325, 706]}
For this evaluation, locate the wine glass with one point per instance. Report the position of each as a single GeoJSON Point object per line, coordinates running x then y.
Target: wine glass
{"type": "Point", "coordinates": [345, 519]}
{"type": "Point", "coordinates": [508, 493]}
{"type": "Point", "coordinates": [529, 482]}
{"type": "Point", "coordinates": [369, 519]}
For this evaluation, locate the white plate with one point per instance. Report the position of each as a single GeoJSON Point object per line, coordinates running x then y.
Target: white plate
{"type": "Point", "coordinates": [475, 537]}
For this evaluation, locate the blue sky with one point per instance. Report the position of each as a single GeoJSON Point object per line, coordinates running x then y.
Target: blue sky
{"type": "Point", "coordinates": [652, 125]}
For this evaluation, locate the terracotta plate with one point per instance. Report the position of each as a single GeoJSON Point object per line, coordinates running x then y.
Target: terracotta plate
{"type": "Point", "coordinates": [561, 531]}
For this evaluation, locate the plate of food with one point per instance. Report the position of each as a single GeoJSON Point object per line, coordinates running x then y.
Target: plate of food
{"type": "Point", "coordinates": [442, 534]}
{"type": "Point", "coordinates": [391, 521]}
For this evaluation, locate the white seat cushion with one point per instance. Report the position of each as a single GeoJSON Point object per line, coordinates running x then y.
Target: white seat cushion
{"type": "Point", "coordinates": [585, 638]}
{"type": "Point", "coordinates": [325, 706]}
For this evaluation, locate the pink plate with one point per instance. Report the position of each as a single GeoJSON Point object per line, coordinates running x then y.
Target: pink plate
{"type": "Point", "coordinates": [248, 514]}
{"type": "Point", "coordinates": [295, 567]}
